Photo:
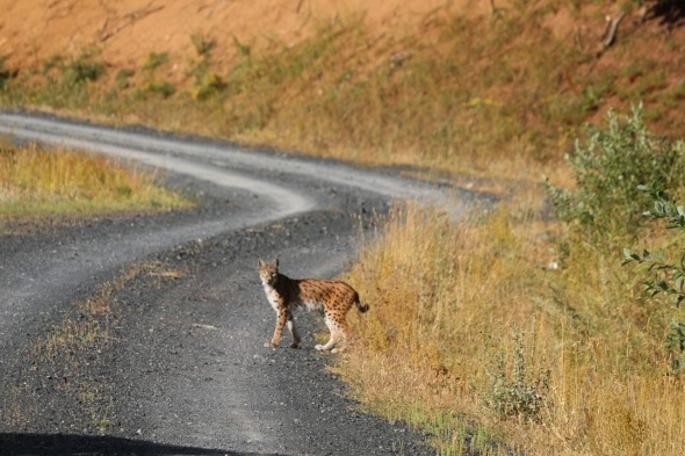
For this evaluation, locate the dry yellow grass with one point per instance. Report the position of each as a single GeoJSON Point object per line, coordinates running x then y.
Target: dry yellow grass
{"type": "Point", "coordinates": [457, 308]}
{"type": "Point", "coordinates": [40, 182]}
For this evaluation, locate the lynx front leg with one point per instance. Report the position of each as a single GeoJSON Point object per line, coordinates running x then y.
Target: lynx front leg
{"type": "Point", "coordinates": [278, 331]}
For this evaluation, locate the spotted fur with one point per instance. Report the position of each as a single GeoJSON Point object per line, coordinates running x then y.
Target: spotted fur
{"type": "Point", "coordinates": [333, 297]}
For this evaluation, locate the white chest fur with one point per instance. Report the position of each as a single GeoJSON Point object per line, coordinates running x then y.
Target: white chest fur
{"type": "Point", "coordinates": [271, 295]}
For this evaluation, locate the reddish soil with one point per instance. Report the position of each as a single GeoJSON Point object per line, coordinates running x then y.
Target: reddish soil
{"type": "Point", "coordinates": [127, 31]}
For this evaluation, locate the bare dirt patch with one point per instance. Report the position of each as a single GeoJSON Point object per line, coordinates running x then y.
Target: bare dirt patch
{"type": "Point", "coordinates": [127, 31]}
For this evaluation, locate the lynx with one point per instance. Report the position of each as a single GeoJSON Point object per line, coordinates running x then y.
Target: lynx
{"type": "Point", "coordinates": [284, 294]}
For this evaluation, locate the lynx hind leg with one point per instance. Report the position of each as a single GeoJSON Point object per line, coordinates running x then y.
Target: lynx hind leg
{"type": "Point", "coordinates": [338, 331]}
{"type": "Point", "coordinates": [344, 336]}
{"type": "Point", "coordinates": [293, 332]}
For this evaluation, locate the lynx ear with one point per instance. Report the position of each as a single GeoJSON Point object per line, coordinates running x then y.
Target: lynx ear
{"type": "Point", "coordinates": [260, 263]}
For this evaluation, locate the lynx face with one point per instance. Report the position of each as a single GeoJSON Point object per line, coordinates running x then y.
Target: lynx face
{"type": "Point", "coordinates": [268, 271]}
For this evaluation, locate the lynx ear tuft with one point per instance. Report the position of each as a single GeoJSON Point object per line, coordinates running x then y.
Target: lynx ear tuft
{"type": "Point", "coordinates": [260, 263]}
{"type": "Point", "coordinates": [276, 262]}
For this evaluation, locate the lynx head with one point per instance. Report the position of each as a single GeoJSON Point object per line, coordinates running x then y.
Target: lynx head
{"type": "Point", "coordinates": [268, 271]}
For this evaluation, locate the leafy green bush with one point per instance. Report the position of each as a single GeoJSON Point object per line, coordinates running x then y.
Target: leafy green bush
{"type": "Point", "coordinates": [664, 277]}
{"type": "Point", "coordinates": [609, 168]}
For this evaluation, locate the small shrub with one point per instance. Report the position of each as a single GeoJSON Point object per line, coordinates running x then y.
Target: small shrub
{"type": "Point", "coordinates": [519, 394]}
{"type": "Point", "coordinates": [609, 169]}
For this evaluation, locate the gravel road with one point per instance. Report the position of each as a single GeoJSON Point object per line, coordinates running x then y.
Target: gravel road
{"type": "Point", "coordinates": [176, 364]}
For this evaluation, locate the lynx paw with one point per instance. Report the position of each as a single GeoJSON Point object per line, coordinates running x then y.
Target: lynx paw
{"type": "Point", "coordinates": [319, 347]}
{"type": "Point", "coordinates": [295, 345]}
{"type": "Point", "coordinates": [270, 344]}
{"type": "Point", "coordinates": [338, 350]}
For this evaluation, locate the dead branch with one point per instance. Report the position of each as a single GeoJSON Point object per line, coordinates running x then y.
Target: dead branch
{"type": "Point", "coordinates": [613, 28]}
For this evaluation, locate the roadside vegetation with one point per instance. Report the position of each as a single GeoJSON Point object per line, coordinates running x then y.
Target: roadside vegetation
{"type": "Point", "coordinates": [36, 182]}
{"type": "Point", "coordinates": [514, 331]}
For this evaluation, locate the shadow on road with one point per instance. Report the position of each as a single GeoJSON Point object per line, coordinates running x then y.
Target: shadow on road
{"type": "Point", "coordinates": [85, 445]}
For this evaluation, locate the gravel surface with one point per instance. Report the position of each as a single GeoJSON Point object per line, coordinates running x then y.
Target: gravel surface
{"type": "Point", "coordinates": [174, 362]}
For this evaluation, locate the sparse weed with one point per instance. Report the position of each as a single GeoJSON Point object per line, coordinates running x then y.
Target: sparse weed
{"type": "Point", "coordinates": [123, 78]}
{"type": "Point", "coordinates": [154, 60]}
{"type": "Point", "coordinates": [207, 82]}
{"type": "Point", "coordinates": [520, 394]}
{"type": "Point", "coordinates": [164, 89]}
{"type": "Point", "coordinates": [209, 85]}
{"type": "Point", "coordinates": [203, 44]}
{"type": "Point", "coordinates": [53, 62]}
{"type": "Point", "coordinates": [244, 49]}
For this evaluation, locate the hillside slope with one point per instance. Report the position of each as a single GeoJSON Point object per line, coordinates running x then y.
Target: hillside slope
{"type": "Point", "coordinates": [127, 31]}
{"type": "Point", "coordinates": [460, 85]}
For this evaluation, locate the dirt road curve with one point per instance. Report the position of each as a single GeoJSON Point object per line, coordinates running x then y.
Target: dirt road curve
{"type": "Point", "coordinates": [176, 364]}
